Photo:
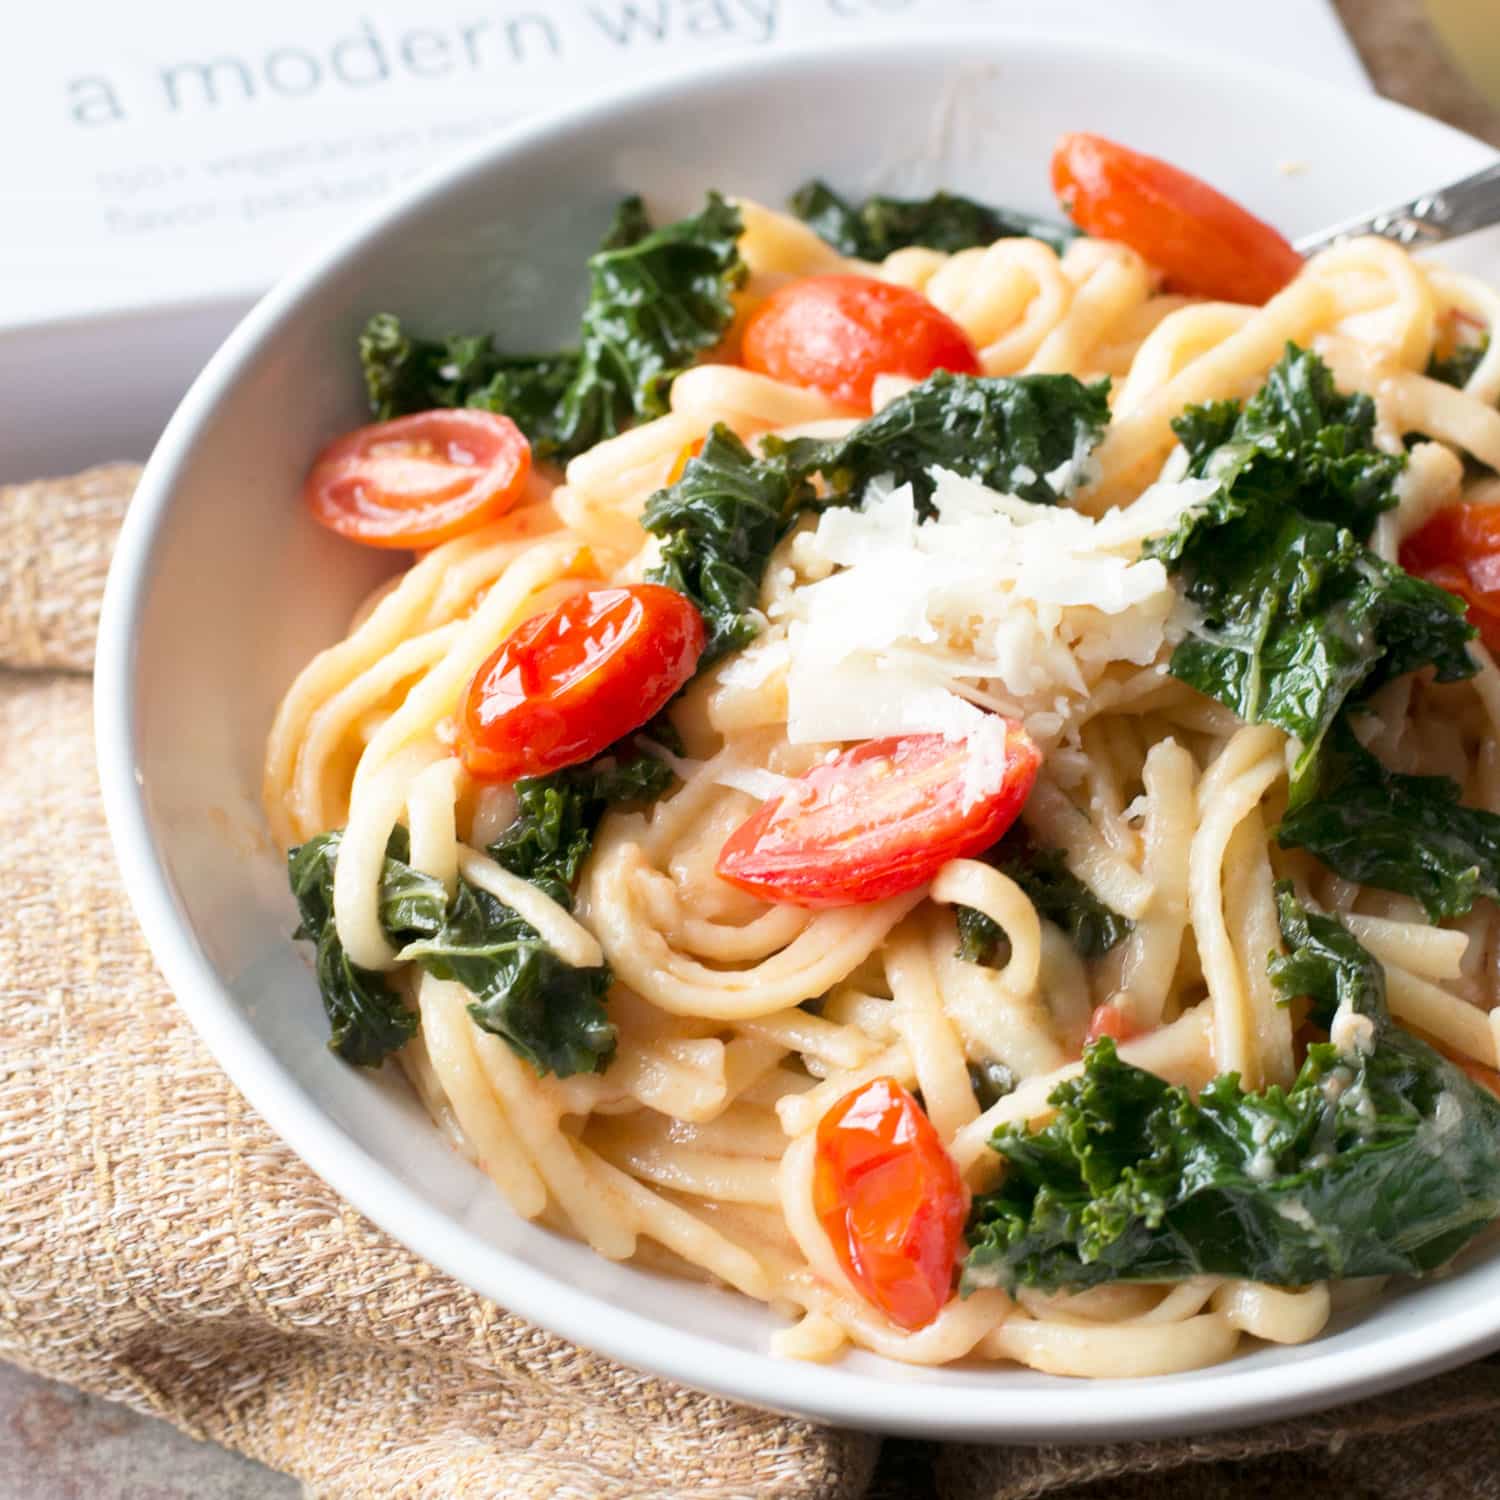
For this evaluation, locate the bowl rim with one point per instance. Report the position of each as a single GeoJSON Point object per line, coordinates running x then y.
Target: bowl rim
{"type": "Point", "coordinates": [884, 1401]}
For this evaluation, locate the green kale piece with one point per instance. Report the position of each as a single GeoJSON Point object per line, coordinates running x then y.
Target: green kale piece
{"type": "Point", "coordinates": [549, 1012]}
{"type": "Point", "coordinates": [1058, 895]}
{"type": "Point", "coordinates": [657, 299]}
{"type": "Point", "coordinates": [405, 374]}
{"type": "Point", "coordinates": [979, 937]}
{"type": "Point", "coordinates": [991, 1081]}
{"type": "Point", "coordinates": [1400, 833]}
{"type": "Point", "coordinates": [718, 525]}
{"type": "Point", "coordinates": [1375, 1162]}
{"type": "Point", "coordinates": [944, 221]}
{"type": "Point", "coordinates": [1007, 432]}
{"type": "Point", "coordinates": [1324, 964]}
{"type": "Point", "coordinates": [367, 1019]}
{"type": "Point", "coordinates": [557, 814]}
{"type": "Point", "coordinates": [1298, 442]}
{"type": "Point", "coordinates": [1294, 615]}
{"type": "Point", "coordinates": [1062, 898]}
{"type": "Point", "coordinates": [1458, 365]}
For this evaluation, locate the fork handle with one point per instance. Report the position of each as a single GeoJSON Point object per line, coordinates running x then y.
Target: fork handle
{"type": "Point", "coordinates": [1460, 208]}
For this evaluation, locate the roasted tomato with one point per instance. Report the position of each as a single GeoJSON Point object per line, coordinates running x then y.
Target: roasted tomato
{"type": "Point", "coordinates": [1206, 243]}
{"type": "Point", "coordinates": [890, 1200]}
{"type": "Point", "coordinates": [877, 820]}
{"type": "Point", "coordinates": [419, 480]}
{"type": "Point", "coordinates": [837, 333]}
{"type": "Point", "coordinates": [569, 683]}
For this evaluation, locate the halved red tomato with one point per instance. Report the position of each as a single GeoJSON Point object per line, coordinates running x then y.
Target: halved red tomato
{"type": "Point", "coordinates": [419, 480]}
{"type": "Point", "coordinates": [890, 1200]}
{"type": "Point", "coordinates": [569, 683]}
{"type": "Point", "coordinates": [1206, 243]}
{"type": "Point", "coordinates": [877, 820]}
{"type": "Point", "coordinates": [1459, 550]}
{"type": "Point", "coordinates": [837, 333]}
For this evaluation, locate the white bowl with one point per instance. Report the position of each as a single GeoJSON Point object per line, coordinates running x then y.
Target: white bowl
{"type": "Point", "coordinates": [222, 588]}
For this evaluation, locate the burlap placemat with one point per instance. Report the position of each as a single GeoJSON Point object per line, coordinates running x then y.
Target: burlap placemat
{"type": "Point", "coordinates": [159, 1246]}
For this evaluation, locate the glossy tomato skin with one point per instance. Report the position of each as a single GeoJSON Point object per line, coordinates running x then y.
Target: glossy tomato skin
{"type": "Point", "coordinates": [890, 1200]}
{"type": "Point", "coordinates": [1206, 243]}
{"type": "Point", "coordinates": [419, 480]}
{"type": "Point", "coordinates": [875, 821]}
{"type": "Point", "coordinates": [567, 684]}
{"type": "Point", "coordinates": [837, 333]}
{"type": "Point", "coordinates": [1459, 550]}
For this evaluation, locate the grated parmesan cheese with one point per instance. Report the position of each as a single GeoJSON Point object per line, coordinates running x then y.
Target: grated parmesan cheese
{"type": "Point", "coordinates": [901, 626]}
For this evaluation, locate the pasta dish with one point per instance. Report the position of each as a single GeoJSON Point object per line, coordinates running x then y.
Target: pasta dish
{"type": "Point", "coordinates": [938, 769]}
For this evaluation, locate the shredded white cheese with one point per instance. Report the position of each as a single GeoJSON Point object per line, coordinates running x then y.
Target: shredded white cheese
{"type": "Point", "coordinates": [723, 770]}
{"type": "Point", "coordinates": [1351, 1032]}
{"type": "Point", "coordinates": [900, 626]}
{"type": "Point", "coordinates": [1291, 1209]}
{"type": "Point", "coordinates": [756, 780]}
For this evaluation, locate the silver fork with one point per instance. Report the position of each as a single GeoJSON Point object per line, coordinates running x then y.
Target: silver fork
{"type": "Point", "coordinates": [1460, 208]}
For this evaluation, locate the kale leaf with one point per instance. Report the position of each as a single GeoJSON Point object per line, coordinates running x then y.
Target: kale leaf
{"type": "Point", "coordinates": [557, 814]}
{"type": "Point", "coordinates": [1458, 365]}
{"type": "Point", "coordinates": [1007, 432]}
{"type": "Point", "coordinates": [1296, 615]}
{"type": "Point", "coordinates": [1062, 898]}
{"type": "Point", "coordinates": [405, 374]}
{"type": "Point", "coordinates": [979, 937]}
{"type": "Point", "coordinates": [1373, 1162]}
{"type": "Point", "coordinates": [549, 1012]}
{"type": "Point", "coordinates": [945, 221]}
{"type": "Point", "coordinates": [1299, 442]}
{"type": "Point", "coordinates": [1058, 895]}
{"type": "Point", "coordinates": [1324, 964]}
{"type": "Point", "coordinates": [1400, 833]}
{"type": "Point", "coordinates": [367, 1019]}
{"type": "Point", "coordinates": [657, 299]}
{"type": "Point", "coordinates": [718, 525]}
{"type": "Point", "coordinates": [991, 1081]}
{"type": "Point", "coordinates": [720, 522]}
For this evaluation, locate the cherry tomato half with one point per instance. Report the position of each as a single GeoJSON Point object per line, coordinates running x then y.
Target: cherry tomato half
{"type": "Point", "coordinates": [838, 333]}
{"type": "Point", "coordinates": [419, 480]}
{"type": "Point", "coordinates": [875, 821]}
{"type": "Point", "coordinates": [890, 1200]}
{"type": "Point", "coordinates": [1206, 243]}
{"type": "Point", "coordinates": [569, 683]}
{"type": "Point", "coordinates": [1459, 550]}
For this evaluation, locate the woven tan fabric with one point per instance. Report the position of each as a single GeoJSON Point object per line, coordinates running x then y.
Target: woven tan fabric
{"type": "Point", "coordinates": [158, 1245]}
